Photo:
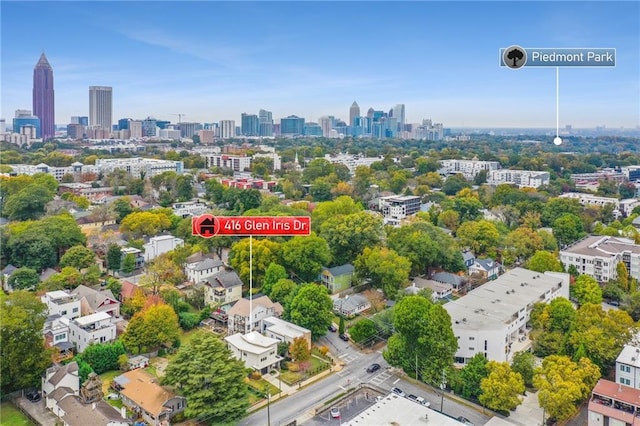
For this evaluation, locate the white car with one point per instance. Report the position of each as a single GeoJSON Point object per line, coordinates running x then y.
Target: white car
{"type": "Point", "coordinates": [335, 413]}
{"type": "Point", "coordinates": [420, 400]}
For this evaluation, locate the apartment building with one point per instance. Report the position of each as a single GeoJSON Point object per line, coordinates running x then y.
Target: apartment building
{"type": "Point", "coordinates": [468, 168]}
{"type": "Point", "coordinates": [522, 178]}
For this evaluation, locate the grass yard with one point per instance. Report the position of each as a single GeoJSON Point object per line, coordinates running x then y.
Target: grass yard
{"type": "Point", "coordinates": [11, 416]}
{"type": "Point", "coordinates": [107, 377]}
{"type": "Point", "coordinates": [261, 384]}
{"type": "Point", "coordinates": [291, 378]}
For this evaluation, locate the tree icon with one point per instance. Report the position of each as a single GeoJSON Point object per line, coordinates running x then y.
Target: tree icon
{"type": "Point", "coordinates": [515, 55]}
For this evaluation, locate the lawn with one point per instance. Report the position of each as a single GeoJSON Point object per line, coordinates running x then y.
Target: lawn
{"type": "Point", "coordinates": [11, 416]}
{"type": "Point", "coordinates": [291, 378]}
{"type": "Point", "coordinates": [107, 377]}
{"type": "Point", "coordinates": [261, 384]}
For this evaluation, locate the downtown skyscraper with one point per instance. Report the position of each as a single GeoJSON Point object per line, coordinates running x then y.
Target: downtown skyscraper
{"type": "Point", "coordinates": [101, 107]}
{"type": "Point", "coordinates": [43, 97]}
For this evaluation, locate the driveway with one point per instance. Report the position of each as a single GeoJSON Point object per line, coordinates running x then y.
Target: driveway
{"type": "Point", "coordinates": [36, 410]}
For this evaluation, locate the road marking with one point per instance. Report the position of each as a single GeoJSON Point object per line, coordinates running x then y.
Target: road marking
{"type": "Point", "coordinates": [344, 355]}
{"type": "Point", "coordinates": [379, 352]}
{"type": "Point", "coordinates": [342, 388]}
{"type": "Point", "coordinates": [397, 380]}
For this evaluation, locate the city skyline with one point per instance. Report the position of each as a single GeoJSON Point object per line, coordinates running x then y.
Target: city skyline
{"type": "Point", "coordinates": [306, 59]}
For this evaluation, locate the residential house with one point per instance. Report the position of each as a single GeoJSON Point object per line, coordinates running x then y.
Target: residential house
{"type": "Point", "coordinates": [159, 245]}
{"type": "Point", "coordinates": [338, 278]}
{"type": "Point", "coordinates": [486, 268]}
{"type": "Point", "coordinates": [628, 366]}
{"type": "Point", "coordinates": [351, 305]}
{"type": "Point", "coordinates": [70, 409]}
{"type": "Point", "coordinates": [491, 318]}
{"type": "Point", "coordinates": [47, 273]}
{"type": "Point", "coordinates": [6, 273]}
{"type": "Point", "coordinates": [56, 335]}
{"type": "Point", "coordinates": [598, 256]}
{"type": "Point", "coordinates": [438, 290]}
{"type": "Point", "coordinates": [93, 301]}
{"type": "Point", "coordinates": [238, 314]}
{"type": "Point", "coordinates": [469, 258]}
{"type": "Point", "coordinates": [90, 223]}
{"type": "Point", "coordinates": [127, 290]}
{"type": "Point", "coordinates": [458, 282]}
{"type": "Point", "coordinates": [136, 253]}
{"type": "Point", "coordinates": [138, 361]}
{"type": "Point", "coordinates": [613, 404]}
{"type": "Point", "coordinates": [198, 267]}
{"type": "Point", "coordinates": [62, 303]}
{"type": "Point", "coordinates": [94, 328]}
{"type": "Point", "coordinates": [141, 392]}
{"type": "Point", "coordinates": [284, 331]}
{"type": "Point", "coordinates": [61, 376]}
{"type": "Point", "coordinates": [255, 350]}
{"type": "Point", "coordinates": [222, 288]}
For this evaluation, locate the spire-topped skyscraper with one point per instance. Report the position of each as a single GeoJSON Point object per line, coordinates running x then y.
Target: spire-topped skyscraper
{"type": "Point", "coordinates": [354, 112]}
{"type": "Point", "coordinates": [43, 97]}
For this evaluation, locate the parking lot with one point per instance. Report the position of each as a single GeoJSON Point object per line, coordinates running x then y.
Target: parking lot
{"type": "Point", "coordinates": [349, 408]}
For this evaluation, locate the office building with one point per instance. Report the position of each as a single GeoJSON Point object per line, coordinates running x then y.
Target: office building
{"type": "Point", "coordinates": [492, 319]}
{"type": "Point", "coordinates": [238, 163]}
{"type": "Point", "coordinates": [101, 107]}
{"type": "Point", "coordinates": [265, 119]}
{"type": "Point", "coordinates": [354, 112]}
{"type": "Point", "coordinates": [312, 129]}
{"type": "Point", "coordinates": [292, 126]}
{"type": "Point", "coordinates": [187, 130]}
{"type": "Point", "coordinates": [135, 129]}
{"type": "Point", "coordinates": [23, 118]}
{"type": "Point", "coordinates": [249, 125]}
{"type": "Point", "coordinates": [326, 124]}
{"type": "Point", "coordinates": [227, 129]}
{"type": "Point", "coordinates": [150, 127]}
{"type": "Point", "coordinates": [43, 97]}
{"type": "Point", "coordinates": [395, 208]}
{"type": "Point", "coordinates": [123, 124]}
{"type": "Point", "coordinates": [522, 178]}
{"type": "Point", "coordinates": [399, 114]}
{"type": "Point", "coordinates": [83, 119]}
{"type": "Point", "coordinates": [75, 131]}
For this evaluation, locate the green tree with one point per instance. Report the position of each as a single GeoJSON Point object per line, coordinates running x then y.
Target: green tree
{"type": "Point", "coordinates": [341, 325]}
{"type": "Point", "coordinates": [79, 257]}
{"type": "Point", "coordinates": [524, 363]}
{"type": "Point", "coordinates": [472, 375]}
{"type": "Point", "coordinates": [149, 223]}
{"type": "Point", "coordinates": [272, 275]}
{"type": "Point", "coordinates": [122, 208]}
{"type": "Point", "coordinates": [306, 256]}
{"type": "Point", "coordinates": [104, 356]}
{"type": "Point", "coordinates": [311, 308]}
{"type": "Point", "coordinates": [568, 228]}
{"type": "Point", "coordinates": [265, 252]}
{"type": "Point", "coordinates": [22, 348]}
{"type": "Point", "coordinates": [212, 380]}
{"type": "Point", "coordinates": [502, 388]}
{"type": "Point", "coordinates": [363, 330]}
{"type": "Point", "coordinates": [349, 234]}
{"type": "Point", "coordinates": [24, 279]}
{"type": "Point", "coordinates": [455, 184]}
{"type": "Point", "coordinates": [587, 290]}
{"type": "Point", "coordinates": [384, 268]}
{"type": "Point", "coordinates": [556, 207]}
{"type": "Point", "coordinates": [562, 384]}
{"type": "Point", "coordinates": [128, 263]}
{"type": "Point", "coordinates": [622, 276]}
{"type": "Point", "coordinates": [114, 257]}
{"type": "Point", "coordinates": [282, 290]}
{"type": "Point", "coordinates": [27, 204]}
{"type": "Point", "coordinates": [299, 349]}
{"type": "Point", "coordinates": [543, 261]}
{"type": "Point", "coordinates": [523, 243]}
{"type": "Point", "coordinates": [152, 327]}
{"type": "Point", "coordinates": [343, 205]}
{"type": "Point", "coordinates": [423, 338]}
{"type": "Point", "coordinates": [481, 236]}
{"type": "Point", "coordinates": [32, 250]}
{"type": "Point", "coordinates": [449, 219]}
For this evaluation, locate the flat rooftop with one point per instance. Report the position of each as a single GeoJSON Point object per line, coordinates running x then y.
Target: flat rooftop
{"type": "Point", "coordinates": [494, 304]}
{"type": "Point", "coordinates": [602, 246]}
{"type": "Point", "coordinates": [395, 410]}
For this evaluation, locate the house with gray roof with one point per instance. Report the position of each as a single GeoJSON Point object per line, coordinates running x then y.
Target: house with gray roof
{"type": "Point", "coordinates": [61, 376]}
{"type": "Point", "coordinates": [351, 305]}
{"type": "Point", "coordinates": [199, 267]}
{"type": "Point", "coordinates": [438, 290]}
{"type": "Point", "coordinates": [93, 301]}
{"type": "Point", "coordinates": [486, 268]}
{"type": "Point", "coordinates": [456, 281]}
{"type": "Point", "coordinates": [222, 288]}
{"type": "Point", "coordinates": [469, 258]}
{"type": "Point", "coordinates": [338, 278]}
{"type": "Point", "coordinates": [73, 412]}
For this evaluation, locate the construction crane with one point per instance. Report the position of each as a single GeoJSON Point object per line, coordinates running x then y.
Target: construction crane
{"type": "Point", "coordinates": [179, 117]}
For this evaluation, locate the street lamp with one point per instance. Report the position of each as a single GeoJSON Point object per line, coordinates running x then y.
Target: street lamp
{"type": "Point", "coordinates": [268, 392]}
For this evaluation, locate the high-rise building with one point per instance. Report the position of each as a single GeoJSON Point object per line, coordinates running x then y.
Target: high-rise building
{"type": "Point", "coordinates": [292, 125]}
{"type": "Point", "coordinates": [135, 129]}
{"type": "Point", "coordinates": [123, 124]}
{"type": "Point", "coordinates": [101, 107]}
{"type": "Point", "coordinates": [84, 120]}
{"type": "Point", "coordinates": [43, 97]}
{"type": "Point", "coordinates": [227, 129]}
{"type": "Point", "coordinates": [326, 123]}
{"type": "Point", "coordinates": [354, 112]}
{"type": "Point", "coordinates": [398, 112]}
{"type": "Point", "coordinates": [187, 130]}
{"type": "Point", "coordinates": [25, 118]}
{"type": "Point", "coordinates": [249, 125]}
{"type": "Point", "coordinates": [265, 119]}
{"type": "Point", "coordinates": [149, 127]}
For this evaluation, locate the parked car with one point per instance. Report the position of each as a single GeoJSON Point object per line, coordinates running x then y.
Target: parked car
{"type": "Point", "coordinates": [398, 391]}
{"type": "Point", "coordinates": [465, 421]}
{"type": "Point", "coordinates": [344, 337]}
{"type": "Point", "coordinates": [332, 328]}
{"type": "Point", "coordinates": [412, 397]}
{"type": "Point", "coordinates": [373, 367]}
{"type": "Point", "coordinates": [420, 400]}
{"type": "Point", "coordinates": [34, 395]}
{"type": "Point", "coordinates": [335, 413]}
{"type": "Point", "coordinates": [614, 303]}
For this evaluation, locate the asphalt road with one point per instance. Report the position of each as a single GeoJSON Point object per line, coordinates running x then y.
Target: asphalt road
{"type": "Point", "coordinates": [356, 362]}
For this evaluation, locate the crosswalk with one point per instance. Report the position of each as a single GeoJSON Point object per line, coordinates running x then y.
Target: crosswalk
{"type": "Point", "coordinates": [380, 378]}
{"type": "Point", "coordinates": [347, 358]}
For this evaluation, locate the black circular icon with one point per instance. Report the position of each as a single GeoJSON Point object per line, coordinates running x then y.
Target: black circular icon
{"type": "Point", "coordinates": [514, 57]}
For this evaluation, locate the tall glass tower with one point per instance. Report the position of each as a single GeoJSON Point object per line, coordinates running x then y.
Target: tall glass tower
{"type": "Point", "coordinates": [43, 98]}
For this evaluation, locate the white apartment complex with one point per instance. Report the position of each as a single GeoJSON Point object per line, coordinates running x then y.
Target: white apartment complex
{"type": "Point", "coordinates": [468, 168]}
{"type": "Point", "coordinates": [628, 367]}
{"type": "Point", "coordinates": [598, 256]}
{"type": "Point", "coordinates": [624, 207]}
{"type": "Point", "coordinates": [395, 208]}
{"type": "Point", "coordinates": [352, 161]}
{"type": "Point", "coordinates": [237, 163]}
{"type": "Point", "coordinates": [522, 178]}
{"type": "Point", "coordinates": [159, 245]}
{"type": "Point", "coordinates": [492, 317]}
{"type": "Point", "coordinates": [94, 328]}
{"type": "Point", "coordinates": [134, 166]}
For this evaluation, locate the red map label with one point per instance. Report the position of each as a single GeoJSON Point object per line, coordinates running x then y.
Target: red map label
{"type": "Point", "coordinates": [208, 226]}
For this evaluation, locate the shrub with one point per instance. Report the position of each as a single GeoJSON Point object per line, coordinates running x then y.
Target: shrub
{"type": "Point", "coordinates": [293, 367]}
{"type": "Point", "coordinates": [304, 365]}
{"type": "Point", "coordinates": [323, 350]}
{"type": "Point", "coordinates": [255, 375]}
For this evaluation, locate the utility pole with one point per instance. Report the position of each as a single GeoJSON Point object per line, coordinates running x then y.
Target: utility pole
{"type": "Point", "coordinates": [443, 385]}
{"type": "Point", "coordinates": [268, 406]}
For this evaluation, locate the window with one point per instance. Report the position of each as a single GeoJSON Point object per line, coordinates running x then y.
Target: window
{"type": "Point", "coordinates": [63, 312]}
{"type": "Point", "coordinates": [75, 310]}
{"type": "Point", "coordinates": [472, 349]}
{"type": "Point", "coordinates": [472, 338]}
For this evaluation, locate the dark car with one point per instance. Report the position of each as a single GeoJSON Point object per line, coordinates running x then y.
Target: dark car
{"type": "Point", "coordinates": [344, 337]}
{"type": "Point", "coordinates": [332, 328]}
{"type": "Point", "coordinates": [614, 303]}
{"type": "Point", "coordinates": [465, 421]}
{"type": "Point", "coordinates": [373, 367]}
{"type": "Point", "coordinates": [34, 396]}
{"type": "Point", "coordinates": [412, 397]}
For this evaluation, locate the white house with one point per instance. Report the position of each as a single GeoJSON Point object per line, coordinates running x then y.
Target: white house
{"type": "Point", "coordinates": [628, 366]}
{"type": "Point", "coordinates": [351, 305]}
{"type": "Point", "coordinates": [159, 245]}
{"type": "Point", "coordinates": [284, 331]}
{"type": "Point", "coordinates": [189, 208]}
{"type": "Point", "coordinates": [492, 317]}
{"type": "Point", "coordinates": [62, 303]}
{"type": "Point", "coordinates": [263, 307]}
{"type": "Point", "coordinates": [438, 290]}
{"type": "Point", "coordinates": [202, 268]}
{"type": "Point", "coordinates": [94, 328]}
{"type": "Point", "coordinates": [255, 350]}
{"type": "Point", "coordinates": [598, 256]}
{"type": "Point", "coordinates": [92, 301]}
{"type": "Point", "coordinates": [487, 268]}
{"type": "Point", "coordinates": [61, 376]}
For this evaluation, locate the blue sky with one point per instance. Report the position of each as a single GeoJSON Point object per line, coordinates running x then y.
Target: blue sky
{"type": "Point", "coordinates": [214, 60]}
